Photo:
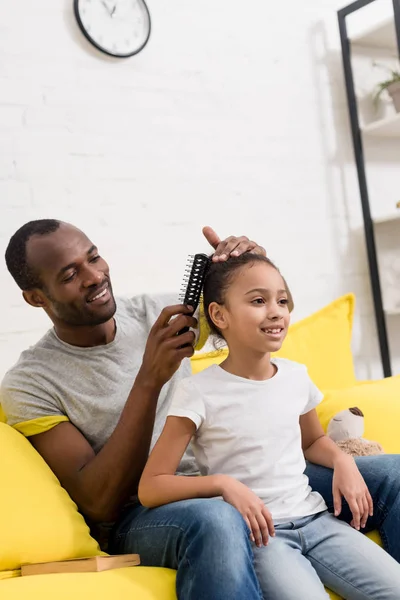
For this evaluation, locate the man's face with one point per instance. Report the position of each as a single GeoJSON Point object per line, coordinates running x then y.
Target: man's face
{"type": "Point", "coordinates": [76, 287]}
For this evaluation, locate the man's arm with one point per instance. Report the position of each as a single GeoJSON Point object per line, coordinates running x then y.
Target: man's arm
{"type": "Point", "coordinates": [231, 246]}
{"type": "Point", "coordinates": [101, 483]}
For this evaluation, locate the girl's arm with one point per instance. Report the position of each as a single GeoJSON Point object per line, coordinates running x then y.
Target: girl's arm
{"type": "Point", "coordinates": [317, 447]}
{"type": "Point", "coordinates": [159, 484]}
{"type": "Point", "coordinates": [347, 479]}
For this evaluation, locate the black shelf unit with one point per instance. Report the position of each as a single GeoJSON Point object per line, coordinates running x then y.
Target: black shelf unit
{"type": "Point", "coordinates": [361, 171]}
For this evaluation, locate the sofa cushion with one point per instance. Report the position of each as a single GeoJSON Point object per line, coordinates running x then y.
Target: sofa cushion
{"type": "Point", "coordinates": [321, 341]}
{"type": "Point", "coordinates": [142, 583]}
{"type": "Point", "coordinates": [38, 520]}
{"type": "Point", "coordinates": [206, 359]}
{"type": "Point", "coordinates": [379, 401]}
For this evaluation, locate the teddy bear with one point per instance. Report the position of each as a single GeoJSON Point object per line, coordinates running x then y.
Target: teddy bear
{"type": "Point", "coordinates": [346, 428]}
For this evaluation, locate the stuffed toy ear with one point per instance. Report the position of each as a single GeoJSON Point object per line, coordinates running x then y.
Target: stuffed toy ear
{"type": "Point", "coordinates": [203, 330]}
{"type": "Point", "coordinates": [356, 411]}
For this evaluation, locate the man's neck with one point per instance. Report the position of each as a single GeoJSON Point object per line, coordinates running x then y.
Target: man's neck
{"type": "Point", "coordinates": [87, 336]}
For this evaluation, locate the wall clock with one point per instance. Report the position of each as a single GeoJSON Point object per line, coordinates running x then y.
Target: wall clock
{"type": "Point", "coordinates": [118, 28]}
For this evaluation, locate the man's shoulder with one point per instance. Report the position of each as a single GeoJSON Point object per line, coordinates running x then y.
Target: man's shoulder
{"type": "Point", "coordinates": [144, 306]}
{"type": "Point", "coordinates": [32, 360]}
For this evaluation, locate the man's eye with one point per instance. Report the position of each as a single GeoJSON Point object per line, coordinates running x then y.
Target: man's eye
{"type": "Point", "coordinates": [68, 279]}
{"type": "Point", "coordinates": [94, 258]}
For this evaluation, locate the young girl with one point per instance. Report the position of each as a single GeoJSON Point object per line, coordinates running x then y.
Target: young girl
{"type": "Point", "coordinates": [252, 420]}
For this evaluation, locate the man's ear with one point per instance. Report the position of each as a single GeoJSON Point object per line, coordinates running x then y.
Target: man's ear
{"type": "Point", "coordinates": [35, 298]}
{"type": "Point", "coordinates": [217, 315]}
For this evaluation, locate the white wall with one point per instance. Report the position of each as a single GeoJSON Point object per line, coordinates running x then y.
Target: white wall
{"type": "Point", "coordinates": [234, 116]}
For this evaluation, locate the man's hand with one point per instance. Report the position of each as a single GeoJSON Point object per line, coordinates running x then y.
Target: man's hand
{"type": "Point", "coordinates": [251, 507]}
{"type": "Point", "coordinates": [165, 350]}
{"type": "Point", "coordinates": [348, 482]}
{"type": "Point", "coordinates": [231, 246]}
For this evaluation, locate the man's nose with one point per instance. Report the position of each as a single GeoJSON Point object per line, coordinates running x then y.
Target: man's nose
{"type": "Point", "coordinates": [92, 276]}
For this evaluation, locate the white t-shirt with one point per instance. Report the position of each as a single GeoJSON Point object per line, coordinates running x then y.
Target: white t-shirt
{"type": "Point", "coordinates": [250, 430]}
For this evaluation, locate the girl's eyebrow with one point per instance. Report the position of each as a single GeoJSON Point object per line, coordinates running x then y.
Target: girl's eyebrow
{"type": "Point", "coordinates": [265, 291]}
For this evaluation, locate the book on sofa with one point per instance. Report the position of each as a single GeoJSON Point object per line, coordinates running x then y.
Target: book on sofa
{"type": "Point", "coordinates": [82, 565]}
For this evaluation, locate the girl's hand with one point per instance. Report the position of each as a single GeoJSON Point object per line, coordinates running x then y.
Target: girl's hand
{"type": "Point", "coordinates": [348, 482]}
{"type": "Point", "coordinates": [252, 509]}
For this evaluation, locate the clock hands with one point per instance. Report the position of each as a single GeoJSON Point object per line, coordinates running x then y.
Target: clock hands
{"type": "Point", "coordinates": [105, 6]}
{"type": "Point", "coordinates": [110, 12]}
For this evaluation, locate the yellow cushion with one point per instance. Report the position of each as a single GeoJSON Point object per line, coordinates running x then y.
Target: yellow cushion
{"type": "Point", "coordinates": [380, 403]}
{"type": "Point", "coordinates": [321, 341]}
{"type": "Point", "coordinates": [206, 359]}
{"type": "Point", "coordinates": [141, 583]}
{"type": "Point", "coordinates": [38, 520]}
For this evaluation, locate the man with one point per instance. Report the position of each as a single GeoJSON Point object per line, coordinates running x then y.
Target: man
{"type": "Point", "coordinates": [92, 397]}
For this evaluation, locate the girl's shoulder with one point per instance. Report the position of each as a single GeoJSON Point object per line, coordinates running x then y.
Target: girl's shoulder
{"type": "Point", "coordinates": [203, 380]}
{"type": "Point", "coordinates": [199, 385]}
{"type": "Point", "coordinates": [287, 365]}
{"type": "Point", "coordinates": [210, 373]}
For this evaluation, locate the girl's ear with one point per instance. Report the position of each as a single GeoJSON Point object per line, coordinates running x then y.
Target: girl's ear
{"type": "Point", "coordinates": [217, 315]}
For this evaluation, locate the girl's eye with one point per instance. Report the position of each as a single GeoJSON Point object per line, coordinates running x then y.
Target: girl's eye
{"type": "Point", "coordinates": [258, 301]}
{"type": "Point", "coordinates": [283, 301]}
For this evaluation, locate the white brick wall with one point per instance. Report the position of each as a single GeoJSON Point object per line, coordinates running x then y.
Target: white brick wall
{"type": "Point", "coordinates": [234, 116]}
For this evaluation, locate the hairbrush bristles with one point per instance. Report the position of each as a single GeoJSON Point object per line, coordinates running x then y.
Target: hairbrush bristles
{"type": "Point", "coordinates": [193, 279]}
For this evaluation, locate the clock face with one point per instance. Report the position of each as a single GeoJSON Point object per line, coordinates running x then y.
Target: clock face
{"type": "Point", "coordinates": [117, 27]}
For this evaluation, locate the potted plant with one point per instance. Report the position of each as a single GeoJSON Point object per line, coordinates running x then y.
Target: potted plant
{"type": "Point", "coordinates": [392, 86]}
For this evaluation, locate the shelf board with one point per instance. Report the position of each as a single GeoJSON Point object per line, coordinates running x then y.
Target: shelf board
{"type": "Point", "coordinates": [382, 35]}
{"type": "Point", "coordinates": [392, 312]}
{"type": "Point", "coordinates": [389, 127]}
{"type": "Point", "coordinates": [387, 219]}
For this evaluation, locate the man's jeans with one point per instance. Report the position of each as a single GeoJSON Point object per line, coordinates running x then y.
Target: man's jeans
{"type": "Point", "coordinates": [311, 552]}
{"type": "Point", "coordinates": [207, 540]}
{"type": "Point", "coordinates": [382, 476]}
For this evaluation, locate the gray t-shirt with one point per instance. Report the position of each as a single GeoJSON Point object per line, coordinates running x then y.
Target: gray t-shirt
{"type": "Point", "coordinates": [54, 381]}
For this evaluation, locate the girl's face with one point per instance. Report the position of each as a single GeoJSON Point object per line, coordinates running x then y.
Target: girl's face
{"type": "Point", "coordinates": [255, 313]}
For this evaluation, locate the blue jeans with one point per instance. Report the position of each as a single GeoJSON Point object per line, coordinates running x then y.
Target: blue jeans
{"type": "Point", "coordinates": [382, 476]}
{"type": "Point", "coordinates": [207, 540]}
{"type": "Point", "coordinates": [311, 552]}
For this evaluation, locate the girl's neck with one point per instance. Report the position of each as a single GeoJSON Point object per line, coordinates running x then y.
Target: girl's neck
{"type": "Point", "coordinates": [249, 365]}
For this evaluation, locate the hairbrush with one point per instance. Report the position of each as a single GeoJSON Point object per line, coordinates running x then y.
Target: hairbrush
{"type": "Point", "coordinates": [193, 280]}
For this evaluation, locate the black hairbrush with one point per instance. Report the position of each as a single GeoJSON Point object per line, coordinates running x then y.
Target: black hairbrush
{"type": "Point", "coordinates": [193, 279]}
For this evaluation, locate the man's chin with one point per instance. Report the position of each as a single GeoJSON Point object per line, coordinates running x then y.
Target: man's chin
{"type": "Point", "coordinates": [101, 314]}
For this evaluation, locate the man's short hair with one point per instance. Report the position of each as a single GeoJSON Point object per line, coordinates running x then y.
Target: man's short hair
{"type": "Point", "coordinates": [24, 275]}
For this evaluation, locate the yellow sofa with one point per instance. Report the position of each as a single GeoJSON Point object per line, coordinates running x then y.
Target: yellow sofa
{"type": "Point", "coordinates": [39, 522]}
